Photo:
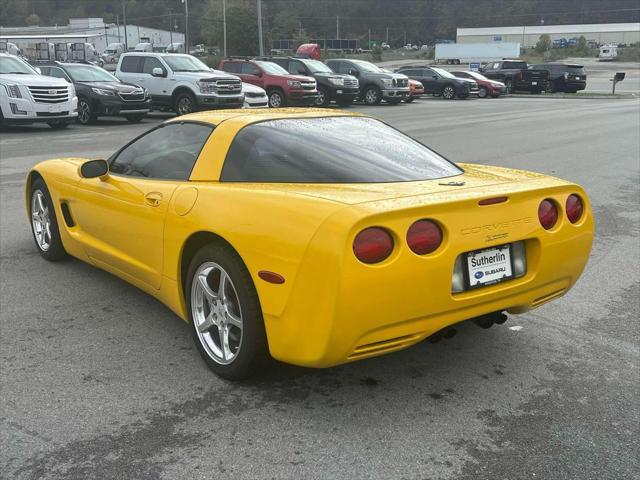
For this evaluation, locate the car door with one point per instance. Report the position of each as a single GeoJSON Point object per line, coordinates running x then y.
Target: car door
{"type": "Point", "coordinates": [430, 80]}
{"type": "Point", "coordinates": [130, 68]}
{"type": "Point", "coordinates": [158, 86]}
{"type": "Point", "coordinates": [120, 218]}
{"type": "Point", "coordinates": [250, 73]}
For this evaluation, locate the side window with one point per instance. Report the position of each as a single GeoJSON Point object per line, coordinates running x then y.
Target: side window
{"type": "Point", "coordinates": [56, 72]}
{"type": "Point", "coordinates": [131, 64]}
{"type": "Point", "coordinates": [342, 67]}
{"type": "Point", "coordinates": [249, 69]}
{"type": "Point", "coordinates": [150, 63]}
{"type": "Point", "coordinates": [297, 68]}
{"type": "Point", "coordinates": [168, 152]}
{"type": "Point", "coordinates": [232, 67]}
{"type": "Point", "coordinates": [427, 72]}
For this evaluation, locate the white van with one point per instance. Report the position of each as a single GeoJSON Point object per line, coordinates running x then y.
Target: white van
{"type": "Point", "coordinates": [608, 52]}
{"type": "Point", "coordinates": [143, 47]}
{"type": "Point", "coordinates": [112, 53]}
{"type": "Point", "coordinates": [29, 97]}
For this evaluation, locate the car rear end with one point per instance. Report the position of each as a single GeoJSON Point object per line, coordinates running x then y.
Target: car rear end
{"type": "Point", "coordinates": [575, 78]}
{"type": "Point", "coordinates": [412, 264]}
{"type": "Point", "coordinates": [533, 80]}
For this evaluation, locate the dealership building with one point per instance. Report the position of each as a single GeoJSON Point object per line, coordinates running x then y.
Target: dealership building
{"type": "Point", "coordinates": [91, 30]}
{"type": "Point", "coordinates": [528, 35]}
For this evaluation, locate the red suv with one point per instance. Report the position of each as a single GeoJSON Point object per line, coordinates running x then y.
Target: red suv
{"type": "Point", "coordinates": [282, 88]}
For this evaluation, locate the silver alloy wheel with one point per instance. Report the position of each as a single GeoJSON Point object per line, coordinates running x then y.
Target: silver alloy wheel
{"type": "Point", "coordinates": [185, 105]}
{"type": "Point", "coordinates": [216, 312]}
{"type": "Point", "coordinates": [448, 92]}
{"type": "Point", "coordinates": [482, 93]}
{"type": "Point", "coordinates": [275, 100]}
{"type": "Point", "coordinates": [320, 98]}
{"type": "Point", "coordinates": [84, 111]}
{"type": "Point", "coordinates": [40, 220]}
{"type": "Point", "coordinates": [371, 96]}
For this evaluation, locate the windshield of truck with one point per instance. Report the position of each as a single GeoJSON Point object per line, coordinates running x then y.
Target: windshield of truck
{"type": "Point", "coordinates": [443, 73]}
{"type": "Point", "coordinates": [15, 66]}
{"type": "Point", "coordinates": [367, 67]}
{"type": "Point", "coordinates": [185, 63]}
{"type": "Point", "coordinates": [315, 66]}
{"type": "Point", "coordinates": [86, 73]}
{"type": "Point", "coordinates": [272, 68]}
{"type": "Point", "coordinates": [330, 150]}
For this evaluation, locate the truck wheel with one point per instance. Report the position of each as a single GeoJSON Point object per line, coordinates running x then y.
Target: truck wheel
{"type": "Point", "coordinates": [448, 92]}
{"type": "Point", "coordinates": [322, 100]}
{"type": "Point", "coordinates": [277, 99]}
{"type": "Point", "coordinates": [85, 112]}
{"type": "Point", "coordinates": [482, 92]}
{"type": "Point", "coordinates": [372, 96]}
{"type": "Point", "coordinates": [225, 314]}
{"type": "Point", "coordinates": [185, 103]}
{"type": "Point", "coordinates": [509, 86]}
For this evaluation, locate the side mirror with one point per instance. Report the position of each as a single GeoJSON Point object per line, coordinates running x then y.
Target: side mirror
{"type": "Point", "coordinates": [38, 70]}
{"type": "Point", "coordinates": [435, 77]}
{"type": "Point", "coordinates": [94, 169]}
{"type": "Point", "coordinates": [354, 72]}
{"type": "Point", "coordinates": [158, 72]}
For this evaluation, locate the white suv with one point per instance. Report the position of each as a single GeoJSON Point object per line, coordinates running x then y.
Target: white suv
{"type": "Point", "coordinates": [27, 97]}
{"type": "Point", "coordinates": [180, 82]}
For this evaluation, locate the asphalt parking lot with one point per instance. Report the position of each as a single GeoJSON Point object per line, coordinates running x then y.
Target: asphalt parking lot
{"type": "Point", "coordinates": [98, 380]}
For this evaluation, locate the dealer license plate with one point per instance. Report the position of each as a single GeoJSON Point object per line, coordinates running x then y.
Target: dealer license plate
{"type": "Point", "coordinates": [489, 266]}
{"type": "Point", "coordinates": [55, 108]}
{"type": "Point", "coordinates": [534, 83]}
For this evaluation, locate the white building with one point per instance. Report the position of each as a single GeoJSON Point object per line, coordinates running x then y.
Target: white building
{"type": "Point", "coordinates": [528, 35]}
{"type": "Point", "coordinates": [91, 30]}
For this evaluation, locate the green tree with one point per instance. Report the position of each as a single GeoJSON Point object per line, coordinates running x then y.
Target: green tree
{"type": "Point", "coordinates": [544, 43]}
{"type": "Point", "coordinates": [32, 20]}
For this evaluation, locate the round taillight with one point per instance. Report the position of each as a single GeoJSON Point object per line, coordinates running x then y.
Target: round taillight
{"type": "Point", "coordinates": [424, 236]}
{"type": "Point", "coordinates": [574, 208]}
{"type": "Point", "coordinates": [373, 245]}
{"type": "Point", "coordinates": [547, 214]}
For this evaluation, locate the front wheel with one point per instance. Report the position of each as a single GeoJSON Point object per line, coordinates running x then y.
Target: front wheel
{"type": "Point", "coordinates": [482, 92]}
{"type": "Point", "coordinates": [509, 86]}
{"type": "Point", "coordinates": [322, 100]}
{"type": "Point", "coordinates": [185, 103]}
{"type": "Point", "coordinates": [448, 92]}
{"type": "Point", "coordinates": [277, 99]}
{"type": "Point", "coordinates": [86, 115]}
{"type": "Point", "coordinates": [44, 224]}
{"type": "Point", "coordinates": [372, 96]}
{"type": "Point", "coordinates": [225, 314]}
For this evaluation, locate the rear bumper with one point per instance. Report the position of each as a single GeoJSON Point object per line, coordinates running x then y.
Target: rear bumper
{"type": "Point", "coordinates": [369, 310]}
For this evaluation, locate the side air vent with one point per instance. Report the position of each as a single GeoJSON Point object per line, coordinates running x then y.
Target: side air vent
{"type": "Point", "coordinates": [66, 213]}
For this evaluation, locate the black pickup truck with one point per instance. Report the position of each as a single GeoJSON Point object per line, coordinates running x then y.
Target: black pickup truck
{"type": "Point", "coordinates": [516, 76]}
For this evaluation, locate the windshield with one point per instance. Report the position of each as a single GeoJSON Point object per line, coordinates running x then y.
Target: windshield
{"type": "Point", "coordinates": [271, 67]}
{"type": "Point", "coordinates": [184, 63]}
{"type": "Point", "coordinates": [443, 73]}
{"type": "Point", "coordinates": [13, 65]}
{"type": "Point", "coordinates": [330, 150]}
{"type": "Point", "coordinates": [367, 67]}
{"type": "Point", "coordinates": [316, 66]}
{"type": "Point", "coordinates": [85, 73]}
{"type": "Point", "coordinates": [477, 76]}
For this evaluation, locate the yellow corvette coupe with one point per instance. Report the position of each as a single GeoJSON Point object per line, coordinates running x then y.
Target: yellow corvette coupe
{"type": "Point", "coordinates": [314, 237]}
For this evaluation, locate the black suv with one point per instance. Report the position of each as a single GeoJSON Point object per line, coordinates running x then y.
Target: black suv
{"type": "Point", "coordinates": [99, 92]}
{"type": "Point", "coordinates": [564, 77]}
{"type": "Point", "coordinates": [332, 86]}
{"type": "Point", "coordinates": [438, 81]}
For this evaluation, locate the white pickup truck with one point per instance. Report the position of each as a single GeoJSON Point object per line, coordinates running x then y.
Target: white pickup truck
{"type": "Point", "coordinates": [27, 97]}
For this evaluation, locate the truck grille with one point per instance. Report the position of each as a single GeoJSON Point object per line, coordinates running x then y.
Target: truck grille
{"type": "Point", "coordinates": [350, 82]}
{"type": "Point", "coordinates": [308, 85]}
{"type": "Point", "coordinates": [135, 96]}
{"type": "Point", "coordinates": [401, 82]}
{"type": "Point", "coordinates": [49, 94]}
{"type": "Point", "coordinates": [229, 87]}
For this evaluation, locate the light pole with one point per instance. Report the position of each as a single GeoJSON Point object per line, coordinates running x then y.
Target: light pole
{"type": "Point", "coordinates": [224, 28]}
{"type": "Point", "coordinates": [124, 20]}
{"type": "Point", "coordinates": [261, 44]}
{"type": "Point", "coordinates": [170, 29]}
{"type": "Point", "coordinates": [186, 26]}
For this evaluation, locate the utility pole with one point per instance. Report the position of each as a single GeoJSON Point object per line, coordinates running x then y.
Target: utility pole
{"type": "Point", "coordinates": [387, 42]}
{"type": "Point", "coordinates": [338, 28]}
{"type": "Point", "coordinates": [224, 28]}
{"type": "Point", "coordinates": [186, 26]}
{"type": "Point", "coordinates": [260, 42]}
{"type": "Point", "coordinates": [369, 44]}
{"type": "Point", "coordinates": [124, 20]}
{"type": "Point", "coordinates": [106, 35]}
{"type": "Point", "coordinates": [118, 24]}
{"type": "Point", "coordinates": [170, 29]}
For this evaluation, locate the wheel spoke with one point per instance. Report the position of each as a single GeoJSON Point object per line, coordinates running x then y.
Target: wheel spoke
{"type": "Point", "coordinates": [233, 319]}
{"type": "Point", "coordinates": [221, 286]}
{"type": "Point", "coordinates": [207, 323]}
{"type": "Point", "coordinates": [48, 232]}
{"type": "Point", "coordinates": [224, 337]}
{"type": "Point", "coordinates": [40, 204]}
{"type": "Point", "coordinates": [202, 280]}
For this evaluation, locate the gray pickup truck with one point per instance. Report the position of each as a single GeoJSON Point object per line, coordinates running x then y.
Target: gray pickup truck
{"type": "Point", "coordinates": [375, 83]}
{"type": "Point", "coordinates": [516, 76]}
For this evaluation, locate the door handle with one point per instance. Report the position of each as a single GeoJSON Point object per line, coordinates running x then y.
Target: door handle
{"type": "Point", "coordinates": [153, 198]}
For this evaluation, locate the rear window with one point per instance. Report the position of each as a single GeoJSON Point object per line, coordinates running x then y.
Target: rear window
{"type": "Point", "coordinates": [515, 65]}
{"type": "Point", "coordinates": [330, 150]}
{"type": "Point", "coordinates": [575, 69]}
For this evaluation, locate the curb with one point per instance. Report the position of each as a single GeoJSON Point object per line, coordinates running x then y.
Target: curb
{"type": "Point", "coordinates": [623, 96]}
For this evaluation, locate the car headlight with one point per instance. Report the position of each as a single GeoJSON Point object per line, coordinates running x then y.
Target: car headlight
{"type": "Point", "coordinates": [294, 83]}
{"type": "Point", "coordinates": [13, 90]}
{"type": "Point", "coordinates": [337, 81]}
{"type": "Point", "coordinates": [207, 87]}
{"type": "Point", "coordinates": [102, 91]}
{"type": "Point", "coordinates": [387, 82]}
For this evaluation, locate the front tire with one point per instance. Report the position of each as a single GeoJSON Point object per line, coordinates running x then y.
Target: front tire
{"type": "Point", "coordinates": [44, 224]}
{"type": "Point", "coordinates": [185, 103]}
{"type": "Point", "coordinates": [86, 116]}
{"type": "Point", "coordinates": [448, 92]}
{"type": "Point", "coordinates": [322, 100]}
{"type": "Point", "coordinates": [277, 99]}
{"type": "Point", "coordinates": [482, 92]}
{"type": "Point", "coordinates": [372, 96]}
{"type": "Point", "coordinates": [225, 314]}
{"type": "Point", "coordinates": [509, 86]}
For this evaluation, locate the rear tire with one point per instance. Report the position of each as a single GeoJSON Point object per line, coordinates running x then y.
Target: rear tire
{"type": "Point", "coordinates": [228, 329]}
{"type": "Point", "coordinates": [44, 224]}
